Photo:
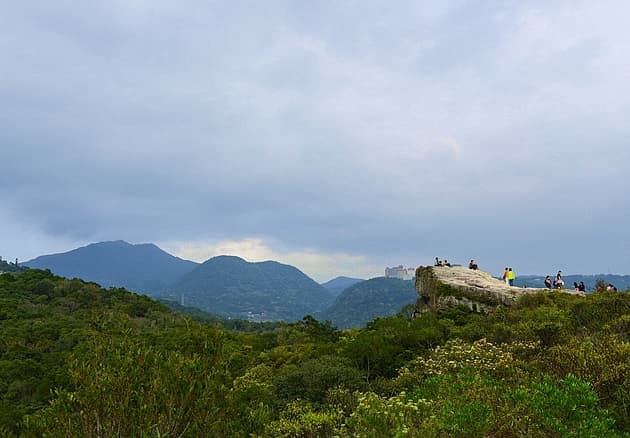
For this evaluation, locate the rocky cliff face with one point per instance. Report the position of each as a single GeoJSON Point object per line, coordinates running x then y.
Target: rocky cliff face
{"type": "Point", "coordinates": [442, 287]}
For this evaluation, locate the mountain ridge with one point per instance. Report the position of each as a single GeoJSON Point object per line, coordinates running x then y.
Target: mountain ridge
{"type": "Point", "coordinates": [233, 287]}
{"type": "Point", "coordinates": [339, 284]}
{"type": "Point", "coordinates": [144, 267]}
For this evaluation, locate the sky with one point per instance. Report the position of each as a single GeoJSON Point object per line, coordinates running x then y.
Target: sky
{"type": "Point", "coordinates": [338, 136]}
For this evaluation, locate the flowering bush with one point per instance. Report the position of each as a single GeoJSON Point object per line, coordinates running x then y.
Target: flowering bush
{"type": "Point", "coordinates": [299, 419]}
{"type": "Point", "coordinates": [381, 416]}
{"type": "Point", "coordinates": [470, 404]}
{"type": "Point", "coordinates": [457, 355]}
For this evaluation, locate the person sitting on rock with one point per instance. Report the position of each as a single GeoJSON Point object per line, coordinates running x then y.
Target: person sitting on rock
{"type": "Point", "coordinates": [576, 287]}
{"type": "Point", "coordinates": [472, 265]}
{"type": "Point", "coordinates": [558, 282]}
{"type": "Point", "coordinates": [446, 263]}
{"type": "Point", "coordinates": [548, 282]}
{"type": "Point", "coordinates": [581, 287]}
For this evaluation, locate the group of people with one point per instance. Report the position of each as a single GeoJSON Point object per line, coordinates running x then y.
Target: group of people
{"type": "Point", "coordinates": [444, 262]}
{"type": "Point", "coordinates": [472, 265]}
{"type": "Point", "coordinates": [579, 287]}
{"type": "Point", "coordinates": [558, 282]}
{"type": "Point", "coordinates": [509, 276]}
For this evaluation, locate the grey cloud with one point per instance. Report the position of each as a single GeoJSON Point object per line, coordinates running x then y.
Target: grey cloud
{"type": "Point", "coordinates": [353, 127]}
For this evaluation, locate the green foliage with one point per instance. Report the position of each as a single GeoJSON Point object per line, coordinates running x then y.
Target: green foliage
{"type": "Point", "coordinates": [604, 362]}
{"type": "Point", "coordinates": [265, 291]}
{"type": "Point", "coordinates": [377, 416]}
{"type": "Point", "coordinates": [43, 320]}
{"type": "Point", "coordinates": [252, 398]}
{"type": "Point", "coordinates": [462, 402]}
{"type": "Point", "coordinates": [126, 388]}
{"type": "Point", "coordinates": [299, 419]}
{"type": "Point", "coordinates": [455, 355]}
{"type": "Point", "coordinates": [79, 360]}
{"type": "Point", "coordinates": [323, 332]}
{"type": "Point", "coordinates": [387, 343]}
{"type": "Point", "coordinates": [312, 379]}
{"type": "Point", "coordinates": [550, 318]}
{"type": "Point", "coordinates": [476, 404]}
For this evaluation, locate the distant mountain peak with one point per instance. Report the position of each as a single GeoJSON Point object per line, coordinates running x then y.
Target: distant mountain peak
{"type": "Point", "coordinates": [339, 284]}
{"type": "Point", "coordinates": [225, 258]}
{"type": "Point", "coordinates": [269, 290]}
{"type": "Point", "coordinates": [111, 242]}
{"type": "Point", "coordinates": [343, 278]}
{"type": "Point", "coordinates": [138, 267]}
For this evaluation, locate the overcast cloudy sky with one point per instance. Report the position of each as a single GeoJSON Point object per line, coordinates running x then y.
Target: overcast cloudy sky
{"type": "Point", "coordinates": [338, 136]}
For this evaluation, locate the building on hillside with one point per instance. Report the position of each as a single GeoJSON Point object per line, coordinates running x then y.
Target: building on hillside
{"type": "Point", "coordinates": [400, 272]}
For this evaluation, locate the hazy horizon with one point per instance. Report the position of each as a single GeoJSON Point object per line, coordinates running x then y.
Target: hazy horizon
{"type": "Point", "coordinates": [322, 280]}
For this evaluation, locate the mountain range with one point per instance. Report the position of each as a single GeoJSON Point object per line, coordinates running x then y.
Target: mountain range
{"type": "Point", "coordinates": [265, 291]}
{"type": "Point", "coordinates": [141, 268]}
{"type": "Point", "coordinates": [227, 286]}
{"type": "Point", "coordinates": [231, 287]}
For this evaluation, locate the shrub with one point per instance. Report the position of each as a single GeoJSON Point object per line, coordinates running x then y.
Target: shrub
{"type": "Point", "coordinates": [457, 355]}
{"type": "Point", "coordinates": [125, 388]}
{"type": "Point", "coordinates": [605, 363]}
{"type": "Point", "coordinates": [385, 416]}
{"type": "Point", "coordinates": [312, 379]}
{"type": "Point", "coordinates": [471, 404]}
{"type": "Point", "coordinates": [299, 419]}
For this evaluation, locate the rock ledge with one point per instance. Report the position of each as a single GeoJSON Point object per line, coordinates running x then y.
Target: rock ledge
{"type": "Point", "coordinates": [443, 287]}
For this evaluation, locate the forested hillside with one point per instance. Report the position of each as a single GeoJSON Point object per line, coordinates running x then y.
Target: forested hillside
{"type": "Point", "coordinates": [366, 300]}
{"type": "Point", "coordinates": [266, 291]}
{"type": "Point", "coordinates": [79, 360]}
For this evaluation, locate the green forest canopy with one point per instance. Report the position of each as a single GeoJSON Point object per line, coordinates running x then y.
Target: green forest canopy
{"type": "Point", "coordinates": [79, 360]}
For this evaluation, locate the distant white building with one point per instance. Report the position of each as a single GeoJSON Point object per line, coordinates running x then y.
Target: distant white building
{"type": "Point", "coordinates": [400, 272]}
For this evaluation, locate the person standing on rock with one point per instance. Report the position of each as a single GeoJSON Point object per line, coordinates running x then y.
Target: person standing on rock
{"type": "Point", "coordinates": [505, 276]}
{"type": "Point", "coordinates": [548, 282]}
{"type": "Point", "coordinates": [511, 277]}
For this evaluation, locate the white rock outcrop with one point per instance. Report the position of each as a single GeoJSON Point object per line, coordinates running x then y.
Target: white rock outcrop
{"type": "Point", "coordinates": [444, 287]}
